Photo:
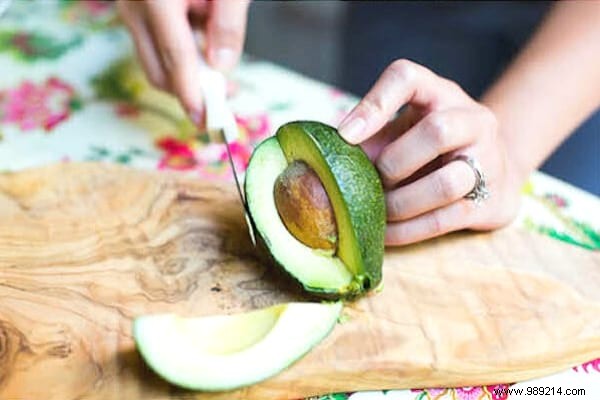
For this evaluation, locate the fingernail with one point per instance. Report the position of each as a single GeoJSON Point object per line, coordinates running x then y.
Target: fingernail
{"type": "Point", "coordinates": [197, 117]}
{"type": "Point", "coordinates": [351, 130]}
{"type": "Point", "coordinates": [224, 58]}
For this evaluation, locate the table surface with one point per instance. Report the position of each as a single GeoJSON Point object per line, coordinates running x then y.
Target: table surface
{"type": "Point", "coordinates": [71, 91]}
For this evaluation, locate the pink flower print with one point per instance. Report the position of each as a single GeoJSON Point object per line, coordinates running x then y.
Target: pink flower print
{"type": "Point", "coordinates": [253, 129]}
{"type": "Point", "coordinates": [336, 93]}
{"type": "Point", "coordinates": [54, 120]}
{"type": "Point", "coordinates": [37, 105]}
{"type": "Point", "coordinates": [557, 200]}
{"type": "Point", "coordinates": [469, 393]}
{"type": "Point", "coordinates": [178, 154]}
{"type": "Point", "coordinates": [497, 392]}
{"type": "Point", "coordinates": [214, 161]}
{"type": "Point", "coordinates": [589, 366]}
{"type": "Point", "coordinates": [87, 10]}
{"type": "Point", "coordinates": [432, 393]}
{"type": "Point", "coordinates": [215, 171]}
{"type": "Point", "coordinates": [22, 41]}
{"type": "Point", "coordinates": [95, 7]}
{"type": "Point", "coordinates": [239, 153]}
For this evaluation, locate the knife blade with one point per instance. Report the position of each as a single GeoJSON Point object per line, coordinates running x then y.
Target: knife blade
{"type": "Point", "coordinates": [249, 221]}
{"type": "Point", "coordinates": [220, 120]}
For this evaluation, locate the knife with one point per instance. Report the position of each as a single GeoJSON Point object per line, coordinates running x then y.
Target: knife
{"type": "Point", "coordinates": [220, 121]}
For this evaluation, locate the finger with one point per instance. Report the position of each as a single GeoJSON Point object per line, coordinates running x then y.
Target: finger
{"type": "Point", "coordinates": [401, 83]}
{"type": "Point", "coordinates": [394, 128]}
{"type": "Point", "coordinates": [438, 133]}
{"type": "Point", "coordinates": [178, 52]}
{"type": "Point", "coordinates": [144, 44]}
{"type": "Point", "coordinates": [198, 22]}
{"type": "Point", "coordinates": [198, 7]}
{"type": "Point", "coordinates": [452, 217]}
{"type": "Point", "coordinates": [198, 15]}
{"type": "Point", "coordinates": [441, 187]}
{"type": "Point", "coordinates": [424, 171]}
{"type": "Point", "coordinates": [225, 32]}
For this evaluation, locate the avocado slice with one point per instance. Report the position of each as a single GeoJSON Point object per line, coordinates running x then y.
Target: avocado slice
{"type": "Point", "coordinates": [356, 195]}
{"type": "Point", "coordinates": [226, 352]}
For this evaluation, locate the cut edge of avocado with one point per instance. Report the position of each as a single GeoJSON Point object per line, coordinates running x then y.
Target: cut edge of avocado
{"type": "Point", "coordinates": [227, 352]}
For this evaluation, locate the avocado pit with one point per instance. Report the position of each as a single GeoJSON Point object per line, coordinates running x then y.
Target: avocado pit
{"type": "Point", "coordinates": [304, 206]}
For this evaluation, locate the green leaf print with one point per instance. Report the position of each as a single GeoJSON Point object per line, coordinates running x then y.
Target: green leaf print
{"type": "Point", "coordinates": [135, 151]}
{"type": "Point", "coordinates": [590, 240]}
{"type": "Point", "coordinates": [582, 235]}
{"type": "Point", "coordinates": [122, 82]}
{"type": "Point", "coordinates": [592, 234]}
{"type": "Point", "coordinates": [333, 396]}
{"type": "Point", "coordinates": [89, 14]}
{"type": "Point", "coordinates": [75, 104]}
{"type": "Point", "coordinates": [101, 153]}
{"type": "Point", "coordinates": [114, 82]}
{"type": "Point", "coordinates": [572, 231]}
{"type": "Point", "coordinates": [280, 106]}
{"type": "Point", "coordinates": [123, 158]}
{"type": "Point", "coordinates": [33, 46]}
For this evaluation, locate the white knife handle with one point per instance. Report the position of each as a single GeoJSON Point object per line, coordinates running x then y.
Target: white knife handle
{"type": "Point", "coordinates": [214, 92]}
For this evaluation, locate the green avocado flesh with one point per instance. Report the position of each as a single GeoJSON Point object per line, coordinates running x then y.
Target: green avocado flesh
{"type": "Point", "coordinates": [226, 352]}
{"type": "Point", "coordinates": [355, 192]}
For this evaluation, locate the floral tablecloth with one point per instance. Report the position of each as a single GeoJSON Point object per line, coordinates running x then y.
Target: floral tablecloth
{"type": "Point", "coordinates": [70, 90]}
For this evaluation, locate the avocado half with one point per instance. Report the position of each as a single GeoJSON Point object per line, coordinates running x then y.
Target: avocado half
{"type": "Point", "coordinates": [356, 196]}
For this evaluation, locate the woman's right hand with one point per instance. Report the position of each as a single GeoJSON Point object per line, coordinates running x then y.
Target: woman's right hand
{"type": "Point", "coordinates": [163, 32]}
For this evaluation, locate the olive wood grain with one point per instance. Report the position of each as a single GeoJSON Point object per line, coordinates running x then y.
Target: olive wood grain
{"type": "Point", "coordinates": [84, 248]}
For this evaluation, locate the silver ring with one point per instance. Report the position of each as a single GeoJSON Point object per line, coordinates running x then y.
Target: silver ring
{"type": "Point", "coordinates": [480, 192]}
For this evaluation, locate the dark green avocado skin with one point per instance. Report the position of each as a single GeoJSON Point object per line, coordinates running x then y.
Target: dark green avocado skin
{"type": "Point", "coordinates": [361, 193]}
{"type": "Point", "coordinates": [361, 190]}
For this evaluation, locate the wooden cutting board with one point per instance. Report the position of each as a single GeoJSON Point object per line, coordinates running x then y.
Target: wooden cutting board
{"type": "Point", "coordinates": [84, 248]}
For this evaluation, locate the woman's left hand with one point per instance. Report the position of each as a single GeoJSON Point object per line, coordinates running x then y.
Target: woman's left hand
{"type": "Point", "coordinates": [416, 152]}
